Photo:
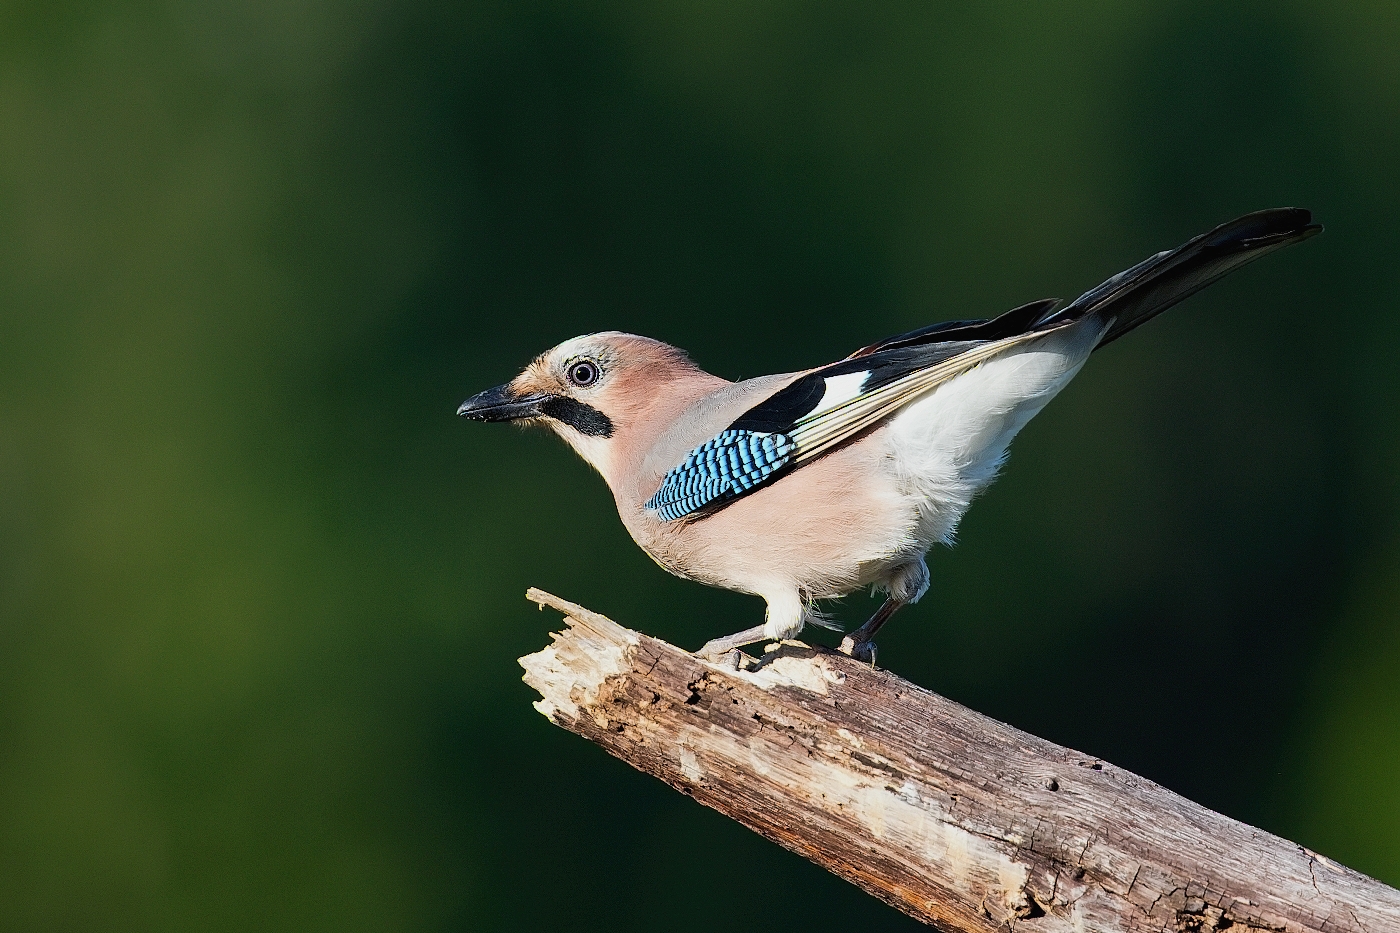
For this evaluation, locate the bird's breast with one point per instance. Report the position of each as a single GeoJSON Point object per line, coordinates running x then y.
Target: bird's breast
{"type": "Point", "coordinates": [824, 527]}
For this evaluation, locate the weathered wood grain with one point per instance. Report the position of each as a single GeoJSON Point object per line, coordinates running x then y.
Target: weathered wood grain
{"type": "Point", "coordinates": [954, 818]}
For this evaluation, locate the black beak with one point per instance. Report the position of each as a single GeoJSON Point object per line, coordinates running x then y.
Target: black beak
{"type": "Point", "coordinates": [502, 404]}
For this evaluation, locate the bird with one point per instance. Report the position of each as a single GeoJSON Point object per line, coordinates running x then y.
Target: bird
{"type": "Point", "coordinates": [807, 486]}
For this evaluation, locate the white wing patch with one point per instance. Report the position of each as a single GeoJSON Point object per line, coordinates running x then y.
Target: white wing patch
{"type": "Point", "coordinates": [839, 390]}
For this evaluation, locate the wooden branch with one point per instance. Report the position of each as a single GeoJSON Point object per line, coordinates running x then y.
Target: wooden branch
{"type": "Point", "coordinates": [954, 818]}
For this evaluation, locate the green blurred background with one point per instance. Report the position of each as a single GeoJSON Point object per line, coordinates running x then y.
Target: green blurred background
{"type": "Point", "coordinates": [261, 594]}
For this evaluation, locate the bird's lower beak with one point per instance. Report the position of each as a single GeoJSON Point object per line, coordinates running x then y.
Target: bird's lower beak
{"type": "Point", "coordinates": [502, 404]}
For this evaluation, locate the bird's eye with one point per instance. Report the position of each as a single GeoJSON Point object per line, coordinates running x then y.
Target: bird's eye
{"type": "Point", "coordinates": [583, 373]}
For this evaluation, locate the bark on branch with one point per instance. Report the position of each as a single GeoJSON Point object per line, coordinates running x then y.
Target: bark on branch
{"type": "Point", "coordinates": [956, 819]}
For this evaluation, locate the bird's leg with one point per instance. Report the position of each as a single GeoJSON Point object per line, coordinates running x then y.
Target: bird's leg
{"type": "Point", "coordinates": [717, 648]}
{"type": "Point", "coordinates": [787, 610]}
{"type": "Point", "coordinates": [858, 644]}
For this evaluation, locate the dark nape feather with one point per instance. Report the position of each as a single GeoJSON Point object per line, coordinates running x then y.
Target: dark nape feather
{"type": "Point", "coordinates": [1008, 324]}
{"type": "Point", "coordinates": [1134, 297]}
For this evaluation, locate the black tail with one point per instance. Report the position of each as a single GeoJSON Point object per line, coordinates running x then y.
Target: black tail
{"type": "Point", "coordinates": [1128, 299]}
{"type": "Point", "coordinates": [1152, 286]}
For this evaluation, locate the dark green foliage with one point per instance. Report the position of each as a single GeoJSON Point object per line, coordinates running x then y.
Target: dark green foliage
{"type": "Point", "coordinates": [261, 593]}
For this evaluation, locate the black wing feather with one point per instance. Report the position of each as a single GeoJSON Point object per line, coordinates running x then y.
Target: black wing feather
{"type": "Point", "coordinates": [888, 360]}
{"type": "Point", "coordinates": [782, 410]}
{"type": "Point", "coordinates": [1007, 324]}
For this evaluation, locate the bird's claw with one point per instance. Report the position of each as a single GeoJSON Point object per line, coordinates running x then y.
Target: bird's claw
{"type": "Point", "coordinates": [725, 651]}
{"type": "Point", "coordinates": [724, 657]}
{"type": "Point", "coordinates": [861, 651]}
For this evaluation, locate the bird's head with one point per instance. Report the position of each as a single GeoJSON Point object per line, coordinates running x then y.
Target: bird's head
{"type": "Point", "coordinates": [602, 393]}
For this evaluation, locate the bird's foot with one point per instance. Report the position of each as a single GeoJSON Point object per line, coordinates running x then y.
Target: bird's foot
{"type": "Point", "coordinates": [860, 650]}
{"type": "Point", "coordinates": [860, 644]}
{"type": "Point", "coordinates": [732, 659]}
{"type": "Point", "coordinates": [725, 651]}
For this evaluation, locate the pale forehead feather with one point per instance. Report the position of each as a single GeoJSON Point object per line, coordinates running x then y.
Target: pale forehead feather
{"type": "Point", "coordinates": [611, 346]}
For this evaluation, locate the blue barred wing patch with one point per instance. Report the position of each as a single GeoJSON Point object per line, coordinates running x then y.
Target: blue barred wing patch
{"type": "Point", "coordinates": [726, 466]}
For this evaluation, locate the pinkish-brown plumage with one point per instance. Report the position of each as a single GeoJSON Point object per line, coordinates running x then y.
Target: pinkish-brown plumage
{"type": "Point", "coordinates": [852, 518]}
{"type": "Point", "coordinates": [807, 486]}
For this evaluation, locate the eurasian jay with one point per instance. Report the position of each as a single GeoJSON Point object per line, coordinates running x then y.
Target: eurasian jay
{"type": "Point", "coordinates": [810, 485]}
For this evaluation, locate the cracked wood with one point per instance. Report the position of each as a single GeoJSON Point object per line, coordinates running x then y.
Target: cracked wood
{"type": "Point", "coordinates": [952, 817]}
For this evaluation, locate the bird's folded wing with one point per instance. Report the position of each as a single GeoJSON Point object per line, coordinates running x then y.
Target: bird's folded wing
{"type": "Point", "coordinates": [722, 468]}
{"type": "Point", "coordinates": [814, 414]}
{"type": "Point", "coordinates": [824, 429]}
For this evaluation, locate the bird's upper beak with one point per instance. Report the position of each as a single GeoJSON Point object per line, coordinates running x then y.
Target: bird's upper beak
{"type": "Point", "coordinates": [502, 404]}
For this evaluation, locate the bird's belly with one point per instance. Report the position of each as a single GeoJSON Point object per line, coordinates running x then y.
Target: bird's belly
{"type": "Point", "coordinates": [851, 517]}
{"type": "Point", "coordinates": [829, 529]}
{"type": "Point", "coordinates": [947, 446]}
